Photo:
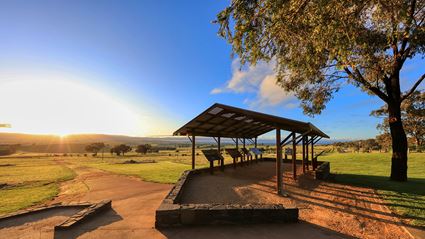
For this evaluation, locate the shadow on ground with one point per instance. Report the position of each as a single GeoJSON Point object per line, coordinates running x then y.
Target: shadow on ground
{"type": "Point", "coordinates": [297, 230]}
{"type": "Point", "coordinates": [91, 224]}
{"type": "Point", "coordinates": [41, 215]}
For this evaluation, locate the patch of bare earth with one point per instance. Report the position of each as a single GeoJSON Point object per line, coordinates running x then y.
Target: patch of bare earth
{"type": "Point", "coordinates": [352, 211]}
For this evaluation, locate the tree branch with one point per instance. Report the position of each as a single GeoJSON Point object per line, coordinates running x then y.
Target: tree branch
{"type": "Point", "coordinates": [405, 96]}
{"type": "Point", "coordinates": [359, 78]}
{"type": "Point", "coordinates": [407, 30]}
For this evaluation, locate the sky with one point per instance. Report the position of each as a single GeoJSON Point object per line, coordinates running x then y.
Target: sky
{"type": "Point", "coordinates": [142, 68]}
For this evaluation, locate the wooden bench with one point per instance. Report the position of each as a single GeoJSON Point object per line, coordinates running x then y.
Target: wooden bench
{"type": "Point", "coordinates": [235, 154]}
{"type": "Point", "coordinates": [213, 155]}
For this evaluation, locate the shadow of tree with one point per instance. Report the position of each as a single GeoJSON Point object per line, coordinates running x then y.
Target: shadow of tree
{"type": "Point", "coordinates": [413, 186]}
{"type": "Point", "coordinates": [407, 199]}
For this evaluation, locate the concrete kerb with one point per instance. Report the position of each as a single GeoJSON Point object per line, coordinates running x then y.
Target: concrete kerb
{"type": "Point", "coordinates": [88, 209]}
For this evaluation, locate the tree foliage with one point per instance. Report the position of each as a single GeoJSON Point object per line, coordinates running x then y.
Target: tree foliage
{"type": "Point", "coordinates": [121, 149]}
{"type": "Point", "coordinates": [95, 148]}
{"type": "Point", "coordinates": [413, 116]}
{"type": "Point", "coordinates": [319, 45]}
{"type": "Point", "coordinates": [384, 140]}
{"type": "Point", "coordinates": [143, 148]}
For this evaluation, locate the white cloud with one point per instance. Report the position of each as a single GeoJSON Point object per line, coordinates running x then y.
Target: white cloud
{"type": "Point", "coordinates": [259, 79]}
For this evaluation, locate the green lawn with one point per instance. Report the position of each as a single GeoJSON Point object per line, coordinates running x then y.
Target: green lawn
{"type": "Point", "coordinates": [160, 172]}
{"type": "Point", "coordinates": [372, 170]}
{"type": "Point", "coordinates": [29, 181]}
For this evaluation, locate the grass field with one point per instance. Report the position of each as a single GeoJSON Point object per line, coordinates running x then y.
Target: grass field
{"type": "Point", "coordinates": [28, 181]}
{"type": "Point", "coordinates": [32, 180]}
{"type": "Point", "coordinates": [372, 170]}
{"type": "Point", "coordinates": [160, 172]}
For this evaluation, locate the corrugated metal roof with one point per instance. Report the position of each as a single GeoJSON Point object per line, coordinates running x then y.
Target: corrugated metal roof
{"type": "Point", "coordinates": [230, 122]}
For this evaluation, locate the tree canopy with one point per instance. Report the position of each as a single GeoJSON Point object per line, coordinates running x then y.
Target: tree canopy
{"type": "Point", "coordinates": [143, 148]}
{"type": "Point", "coordinates": [95, 148]}
{"type": "Point", "coordinates": [319, 45]}
{"type": "Point", "coordinates": [413, 115]}
{"type": "Point", "coordinates": [121, 149]}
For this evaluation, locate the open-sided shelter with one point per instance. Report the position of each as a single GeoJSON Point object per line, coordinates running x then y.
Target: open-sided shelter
{"type": "Point", "coordinates": [223, 121]}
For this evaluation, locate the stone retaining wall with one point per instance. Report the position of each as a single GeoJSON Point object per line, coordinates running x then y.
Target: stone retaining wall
{"type": "Point", "coordinates": [172, 213]}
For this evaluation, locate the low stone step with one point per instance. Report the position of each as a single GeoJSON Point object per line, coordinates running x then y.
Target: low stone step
{"type": "Point", "coordinates": [84, 214]}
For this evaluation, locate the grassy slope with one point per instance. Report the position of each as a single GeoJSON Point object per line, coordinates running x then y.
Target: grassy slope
{"type": "Point", "coordinates": [372, 170]}
{"type": "Point", "coordinates": [29, 181]}
{"type": "Point", "coordinates": [160, 172]}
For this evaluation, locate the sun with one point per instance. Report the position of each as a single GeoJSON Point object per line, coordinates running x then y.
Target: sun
{"type": "Point", "coordinates": [63, 107]}
{"type": "Point", "coordinates": [62, 135]}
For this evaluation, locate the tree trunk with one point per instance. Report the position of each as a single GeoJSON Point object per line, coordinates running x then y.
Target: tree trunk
{"type": "Point", "coordinates": [399, 144]}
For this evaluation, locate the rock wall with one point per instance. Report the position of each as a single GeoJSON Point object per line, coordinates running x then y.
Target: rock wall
{"type": "Point", "coordinates": [172, 213]}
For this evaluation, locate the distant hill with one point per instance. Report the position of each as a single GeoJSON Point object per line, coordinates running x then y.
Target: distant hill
{"type": "Point", "coordinates": [29, 139]}
{"type": "Point", "coordinates": [77, 142]}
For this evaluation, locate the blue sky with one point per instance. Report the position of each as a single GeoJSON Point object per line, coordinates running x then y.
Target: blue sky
{"type": "Point", "coordinates": [160, 60]}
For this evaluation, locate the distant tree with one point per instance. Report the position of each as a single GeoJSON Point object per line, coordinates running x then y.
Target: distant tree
{"type": "Point", "coordinates": [413, 116]}
{"type": "Point", "coordinates": [384, 140]}
{"type": "Point", "coordinates": [319, 46]}
{"type": "Point", "coordinates": [369, 145]}
{"type": "Point", "coordinates": [143, 148]}
{"type": "Point", "coordinates": [7, 150]}
{"type": "Point", "coordinates": [94, 148]}
{"type": "Point", "coordinates": [121, 149]}
{"type": "Point", "coordinates": [125, 149]}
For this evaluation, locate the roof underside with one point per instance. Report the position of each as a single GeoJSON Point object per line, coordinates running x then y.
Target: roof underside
{"type": "Point", "coordinates": [231, 122]}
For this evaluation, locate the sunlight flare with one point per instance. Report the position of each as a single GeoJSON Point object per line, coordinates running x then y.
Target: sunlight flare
{"type": "Point", "coordinates": [64, 107]}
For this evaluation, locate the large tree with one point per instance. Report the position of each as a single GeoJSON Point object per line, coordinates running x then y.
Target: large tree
{"type": "Point", "coordinates": [318, 45]}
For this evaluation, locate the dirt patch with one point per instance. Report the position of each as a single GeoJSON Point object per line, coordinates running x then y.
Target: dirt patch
{"type": "Point", "coordinates": [7, 165]}
{"type": "Point", "coordinates": [137, 162]}
{"type": "Point", "coordinates": [353, 211]}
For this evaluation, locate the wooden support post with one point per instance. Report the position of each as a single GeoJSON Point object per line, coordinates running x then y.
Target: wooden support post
{"type": "Point", "coordinates": [237, 147]}
{"type": "Point", "coordinates": [219, 151]}
{"type": "Point", "coordinates": [193, 151]}
{"type": "Point", "coordinates": [278, 163]}
{"type": "Point", "coordinates": [244, 156]}
{"type": "Point", "coordinates": [294, 157]}
{"type": "Point", "coordinates": [303, 154]}
{"type": "Point", "coordinates": [211, 167]}
{"type": "Point", "coordinates": [255, 146]}
{"type": "Point", "coordinates": [313, 160]}
{"type": "Point", "coordinates": [306, 152]}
